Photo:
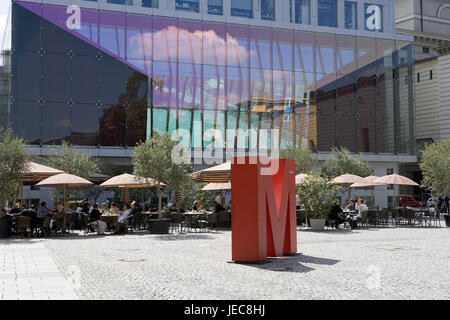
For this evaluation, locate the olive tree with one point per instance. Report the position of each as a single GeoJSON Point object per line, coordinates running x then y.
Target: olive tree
{"type": "Point", "coordinates": [153, 160]}
{"type": "Point", "coordinates": [435, 166]}
{"type": "Point", "coordinates": [341, 161]}
{"type": "Point", "coordinates": [304, 159]}
{"type": "Point", "coordinates": [13, 163]}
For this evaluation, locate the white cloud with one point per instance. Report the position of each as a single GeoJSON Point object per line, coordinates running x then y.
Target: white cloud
{"type": "Point", "coordinates": [5, 31]}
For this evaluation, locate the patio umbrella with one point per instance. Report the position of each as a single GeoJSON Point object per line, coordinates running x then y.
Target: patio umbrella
{"type": "Point", "coordinates": [217, 186]}
{"type": "Point", "coordinates": [396, 179]}
{"type": "Point", "coordinates": [348, 179]}
{"type": "Point", "coordinates": [64, 180]}
{"type": "Point", "coordinates": [216, 174]}
{"type": "Point", "coordinates": [300, 178]}
{"type": "Point", "coordinates": [369, 183]}
{"type": "Point", "coordinates": [130, 181]}
{"type": "Point", "coordinates": [36, 172]}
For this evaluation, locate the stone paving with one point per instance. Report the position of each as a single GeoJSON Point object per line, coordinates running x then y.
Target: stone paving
{"type": "Point", "coordinates": [28, 272]}
{"type": "Point", "coordinates": [391, 263]}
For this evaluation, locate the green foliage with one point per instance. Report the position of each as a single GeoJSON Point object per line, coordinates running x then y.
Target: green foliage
{"type": "Point", "coordinates": [13, 160]}
{"type": "Point", "coordinates": [192, 191]}
{"type": "Point", "coordinates": [153, 159]}
{"type": "Point", "coordinates": [304, 159]}
{"type": "Point", "coordinates": [74, 162]}
{"type": "Point", "coordinates": [342, 162]}
{"type": "Point", "coordinates": [435, 166]}
{"type": "Point", "coordinates": [317, 195]}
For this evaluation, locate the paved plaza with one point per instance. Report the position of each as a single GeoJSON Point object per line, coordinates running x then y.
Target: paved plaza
{"type": "Point", "coordinates": [392, 263]}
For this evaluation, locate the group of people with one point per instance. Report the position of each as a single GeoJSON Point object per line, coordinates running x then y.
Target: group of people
{"type": "Point", "coordinates": [352, 211]}
{"type": "Point", "coordinates": [54, 219]}
{"type": "Point", "coordinates": [219, 204]}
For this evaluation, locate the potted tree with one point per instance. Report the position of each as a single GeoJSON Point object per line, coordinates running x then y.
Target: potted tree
{"type": "Point", "coordinates": [13, 161]}
{"type": "Point", "coordinates": [317, 196]}
{"type": "Point", "coordinates": [435, 166]}
{"type": "Point", "coordinates": [157, 159]}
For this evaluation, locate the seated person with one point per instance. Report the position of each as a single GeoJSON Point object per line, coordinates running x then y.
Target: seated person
{"type": "Point", "coordinates": [134, 208]}
{"type": "Point", "coordinates": [95, 221]}
{"type": "Point", "coordinates": [31, 213]}
{"type": "Point", "coordinates": [198, 206]}
{"type": "Point", "coordinates": [361, 209]}
{"type": "Point", "coordinates": [336, 215]}
{"type": "Point", "coordinates": [351, 206]}
{"type": "Point", "coordinates": [121, 224]}
{"type": "Point", "coordinates": [114, 210]}
{"type": "Point", "coordinates": [218, 205]}
{"type": "Point", "coordinates": [58, 220]}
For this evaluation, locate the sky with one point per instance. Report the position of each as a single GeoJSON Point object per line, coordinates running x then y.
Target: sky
{"type": "Point", "coordinates": [4, 8]}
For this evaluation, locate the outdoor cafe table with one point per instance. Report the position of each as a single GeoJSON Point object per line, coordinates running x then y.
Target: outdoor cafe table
{"type": "Point", "coordinates": [110, 219]}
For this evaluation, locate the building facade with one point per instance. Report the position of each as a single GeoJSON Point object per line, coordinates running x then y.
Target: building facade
{"type": "Point", "coordinates": [5, 88]}
{"type": "Point", "coordinates": [104, 75]}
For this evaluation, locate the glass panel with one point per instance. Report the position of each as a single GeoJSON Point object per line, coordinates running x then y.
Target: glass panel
{"type": "Point", "coordinates": [208, 126]}
{"type": "Point", "coordinates": [326, 120]}
{"type": "Point", "coordinates": [139, 37]}
{"type": "Point", "coordinates": [85, 72]}
{"type": "Point", "coordinates": [190, 41]}
{"type": "Point", "coordinates": [327, 13]}
{"type": "Point", "coordinates": [260, 87]}
{"type": "Point", "coordinates": [345, 112]}
{"type": "Point", "coordinates": [164, 39]}
{"type": "Point", "coordinates": [305, 110]}
{"type": "Point", "coordinates": [346, 55]}
{"type": "Point", "coordinates": [237, 87]}
{"type": "Point", "coordinates": [268, 10]}
{"type": "Point", "coordinates": [84, 125]}
{"type": "Point", "coordinates": [26, 32]}
{"type": "Point", "coordinates": [26, 121]}
{"type": "Point", "coordinates": [112, 125]}
{"type": "Point", "coordinates": [54, 39]}
{"type": "Point", "coordinates": [56, 82]}
{"type": "Point", "coordinates": [305, 46]}
{"type": "Point", "coordinates": [237, 46]}
{"type": "Point", "coordinates": [159, 120]}
{"type": "Point", "coordinates": [214, 44]}
{"type": "Point", "coordinates": [261, 48]}
{"type": "Point", "coordinates": [26, 75]}
{"type": "Point", "coordinates": [282, 49]}
{"type": "Point", "coordinates": [302, 11]}
{"type": "Point", "coordinates": [164, 84]}
{"type": "Point", "coordinates": [197, 133]}
{"type": "Point", "coordinates": [189, 86]}
{"type": "Point", "coordinates": [89, 32]}
{"type": "Point", "coordinates": [325, 59]}
{"type": "Point", "coordinates": [112, 33]}
{"type": "Point", "coordinates": [350, 14]}
{"type": "Point", "coordinates": [214, 87]}
{"type": "Point", "coordinates": [150, 3]}
{"type": "Point", "coordinates": [185, 119]}
{"type": "Point", "coordinates": [136, 112]}
{"type": "Point", "coordinates": [242, 8]}
{"type": "Point", "coordinates": [56, 124]}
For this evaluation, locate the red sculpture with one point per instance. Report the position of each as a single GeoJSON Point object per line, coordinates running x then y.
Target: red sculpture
{"type": "Point", "coordinates": [263, 209]}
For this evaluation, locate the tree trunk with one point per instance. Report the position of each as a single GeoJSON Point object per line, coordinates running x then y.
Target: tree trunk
{"type": "Point", "coordinates": [159, 200]}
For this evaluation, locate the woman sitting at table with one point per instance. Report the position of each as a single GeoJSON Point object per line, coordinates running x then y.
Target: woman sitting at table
{"type": "Point", "coordinates": [114, 210]}
{"type": "Point", "coordinates": [121, 225]}
{"type": "Point", "coordinates": [198, 206]}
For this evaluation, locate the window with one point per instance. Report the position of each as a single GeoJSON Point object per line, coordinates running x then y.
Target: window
{"type": "Point", "coordinates": [327, 13]}
{"type": "Point", "coordinates": [150, 3]}
{"type": "Point", "coordinates": [425, 50]}
{"type": "Point", "coordinates": [302, 12]}
{"type": "Point", "coordinates": [127, 2]}
{"type": "Point", "coordinates": [268, 10]}
{"type": "Point", "coordinates": [418, 77]}
{"type": "Point", "coordinates": [350, 15]}
{"type": "Point", "coordinates": [187, 5]}
{"type": "Point", "coordinates": [215, 7]}
{"type": "Point", "coordinates": [388, 172]}
{"type": "Point", "coordinates": [242, 8]}
{"type": "Point", "coordinates": [373, 17]}
{"type": "Point", "coordinates": [431, 74]}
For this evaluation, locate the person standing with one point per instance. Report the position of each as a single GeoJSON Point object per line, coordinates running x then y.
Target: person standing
{"type": "Point", "coordinates": [218, 203]}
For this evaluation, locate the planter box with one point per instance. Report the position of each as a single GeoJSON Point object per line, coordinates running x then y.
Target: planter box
{"type": "Point", "coordinates": [317, 224]}
{"type": "Point", "coordinates": [4, 228]}
{"type": "Point", "coordinates": [447, 220]}
{"type": "Point", "coordinates": [159, 226]}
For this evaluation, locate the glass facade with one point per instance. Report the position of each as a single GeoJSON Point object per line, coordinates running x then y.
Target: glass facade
{"type": "Point", "coordinates": [302, 11]}
{"type": "Point", "coordinates": [242, 8]}
{"type": "Point", "coordinates": [122, 77]}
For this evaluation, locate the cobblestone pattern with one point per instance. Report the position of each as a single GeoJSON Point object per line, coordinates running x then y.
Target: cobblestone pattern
{"type": "Point", "coordinates": [401, 263]}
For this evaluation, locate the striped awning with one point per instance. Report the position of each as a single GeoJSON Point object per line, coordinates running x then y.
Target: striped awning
{"type": "Point", "coordinates": [217, 186]}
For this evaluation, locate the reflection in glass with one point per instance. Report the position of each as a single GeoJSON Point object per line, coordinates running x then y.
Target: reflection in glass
{"type": "Point", "coordinates": [56, 124]}
{"type": "Point", "coordinates": [84, 131]}
{"type": "Point", "coordinates": [268, 10]}
{"type": "Point", "coordinates": [302, 11]}
{"type": "Point", "coordinates": [350, 14]}
{"type": "Point", "coordinates": [187, 5]}
{"type": "Point", "coordinates": [327, 13]}
{"type": "Point", "coordinates": [215, 7]}
{"type": "Point", "coordinates": [242, 8]}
